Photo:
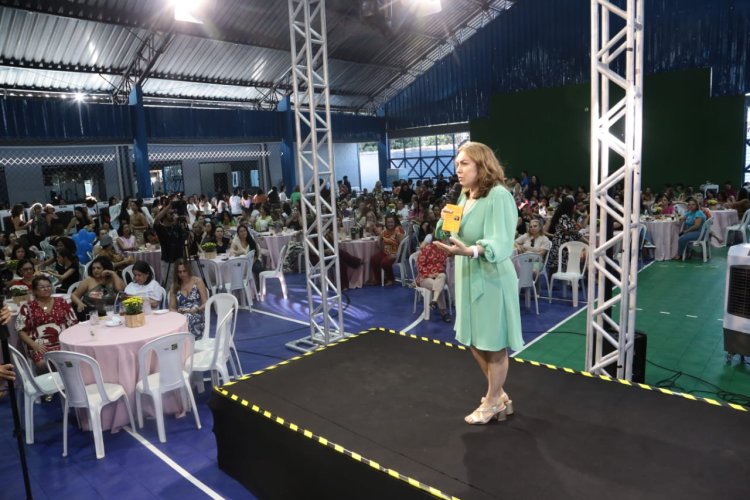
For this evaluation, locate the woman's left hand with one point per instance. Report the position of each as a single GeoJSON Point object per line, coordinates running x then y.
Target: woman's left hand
{"type": "Point", "coordinates": [457, 248]}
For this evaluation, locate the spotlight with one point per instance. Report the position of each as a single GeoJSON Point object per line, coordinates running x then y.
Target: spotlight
{"type": "Point", "coordinates": [79, 96]}
{"type": "Point", "coordinates": [423, 7]}
{"type": "Point", "coordinates": [188, 11]}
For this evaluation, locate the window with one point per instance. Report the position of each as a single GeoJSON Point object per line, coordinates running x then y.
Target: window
{"type": "Point", "coordinates": [167, 177]}
{"type": "Point", "coordinates": [427, 156]}
{"type": "Point", "coordinates": [73, 183]}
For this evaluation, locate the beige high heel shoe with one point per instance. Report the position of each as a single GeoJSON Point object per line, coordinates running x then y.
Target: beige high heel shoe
{"type": "Point", "coordinates": [481, 415]}
{"type": "Point", "coordinates": [508, 404]}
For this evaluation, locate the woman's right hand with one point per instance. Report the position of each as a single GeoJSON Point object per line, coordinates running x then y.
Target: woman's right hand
{"type": "Point", "coordinates": [445, 213]}
{"type": "Point", "coordinates": [80, 307]}
{"type": "Point", "coordinates": [39, 348]}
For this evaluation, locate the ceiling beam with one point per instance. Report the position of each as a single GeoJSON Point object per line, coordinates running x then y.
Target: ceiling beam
{"type": "Point", "coordinates": [155, 20]}
{"type": "Point", "coordinates": [118, 72]}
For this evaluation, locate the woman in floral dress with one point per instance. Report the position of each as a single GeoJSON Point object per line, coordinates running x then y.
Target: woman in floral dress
{"type": "Point", "coordinates": [188, 296]}
{"type": "Point", "coordinates": [41, 320]}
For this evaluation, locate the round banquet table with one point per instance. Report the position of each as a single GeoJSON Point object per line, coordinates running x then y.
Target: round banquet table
{"type": "Point", "coordinates": [272, 243]}
{"type": "Point", "coordinates": [722, 219]}
{"type": "Point", "coordinates": [116, 350]}
{"type": "Point", "coordinates": [151, 257]}
{"type": "Point", "coordinates": [364, 249]}
{"type": "Point", "coordinates": [665, 235]}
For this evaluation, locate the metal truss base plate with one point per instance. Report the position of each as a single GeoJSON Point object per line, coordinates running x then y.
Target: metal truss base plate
{"type": "Point", "coordinates": [309, 343]}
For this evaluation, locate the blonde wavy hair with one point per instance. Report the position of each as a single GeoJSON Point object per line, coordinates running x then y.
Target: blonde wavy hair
{"type": "Point", "coordinates": [489, 171]}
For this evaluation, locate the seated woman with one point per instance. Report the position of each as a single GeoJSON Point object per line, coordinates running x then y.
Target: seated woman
{"type": "Point", "coordinates": [126, 242]}
{"type": "Point", "coordinates": [563, 229]}
{"type": "Point", "coordinates": [534, 241]}
{"type": "Point", "coordinates": [691, 226]}
{"type": "Point", "coordinates": [144, 285]}
{"type": "Point", "coordinates": [227, 219]}
{"type": "Point", "coordinates": [431, 275]}
{"type": "Point", "coordinates": [188, 296]}
{"type": "Point", "coordinates": [25, 270]}
{"type": "Point", "coordinates": [389, 240]}
{"type": "Point", "coordinates": [119, 261]}
{"type": "Point", "coordinates": [66, 270]}
{"type": "Point", "coordinates": [264, 219]}
{"type": "Point", "coordinates": [222, 242]}
{"type": "Point", "coordinates": [242, 243]}
{"type": "Point", "coordinates": [100, 287]}
{"type": "Point", "coordinates": [152, 239]}
{"type": "Point", "coordinates": [20, 252]}
{"type": "Point", "coordinates": [41, 320]}
{"type": "Point", "coordinates": [80, 220]}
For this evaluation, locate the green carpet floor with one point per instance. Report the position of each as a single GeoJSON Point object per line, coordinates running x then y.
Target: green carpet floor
{"type": "Point", "coordinates": [680, 308]}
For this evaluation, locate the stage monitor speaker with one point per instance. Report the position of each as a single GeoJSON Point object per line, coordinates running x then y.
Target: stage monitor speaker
{"type": "Point", "coordinates": [639, 358]}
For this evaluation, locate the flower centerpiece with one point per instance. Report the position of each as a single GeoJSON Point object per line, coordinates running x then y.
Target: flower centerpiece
{"type": "Point", "coordinates": [209, 249]}
{"type": "Point", "coordinates": [134, 312]}
{"type": "Point", "coordinates": [20, 293]}
{"type": "Point", "coordinates": [11, 264]}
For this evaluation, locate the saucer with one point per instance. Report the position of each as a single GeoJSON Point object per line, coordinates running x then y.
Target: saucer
{"type": "Point", "coordinates": [160, 311]}
{"type": "Point", "coordinates": [113, 323]}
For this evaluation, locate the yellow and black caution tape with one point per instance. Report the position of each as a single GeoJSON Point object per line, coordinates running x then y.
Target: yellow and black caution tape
{"type": "Point", "coordinates": [393, 473]}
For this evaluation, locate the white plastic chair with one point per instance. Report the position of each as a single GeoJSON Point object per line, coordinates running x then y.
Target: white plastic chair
{"type": "Point", "coordinates": [72, 288]}
{"type": "Point", "coordinates": [703, 241]}
{"type": "Point", "coordinates": [173, 375]}
{"type": "Point", "coordinates": [240, 275]}
{"type": "Point", "coordinates": [34, 387]}
{"type": "Point", "coordinates": [164, 298]}
{"type": "Point", "coordinates": [424, 292]}
{"type": "Point", "coordinates": [741, 228]}
{"type": "Point", "coordinates": [644, 244]}
{"type": "Point", "coordinates": [574, 272]}
{"type": "Point", "coordinates": [216, 359]}
{"type": "Point", "coordinates": [222, 303]}
{"type": "Point", "coordinates": [127, 274]}
{"type": "Point", "coordinates": [277, 273]}
{"type": "Point", "coordinates": [526, 278]}
{"type": "Point", "coordinates": [401, 261]}
{"type": "Point", "coordinates": [77, 394]}
{"type": "Point", "coordinates": [211, 272]}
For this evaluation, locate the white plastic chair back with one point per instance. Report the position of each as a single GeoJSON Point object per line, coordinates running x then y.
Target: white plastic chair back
{"type": "Point", "coordinates": [68, 365]}
{"type": "Point", "coordinates": [282, 258]}
{"type": "Point", "coordinates": [170, 350]}
{"type": "Point", "coordinates": [237, 273]}
{"type": "Point", "coordinates": [525, 268]}
{"type": "Point", "coordinates": [413, 266]}
{"type": "Point", "coordinates": [164, 298]}
{"type": "Point", "coordinates": [24, 372]}
{"type": "Point", "coordinates": [72, 288]}
{"type": "Point", "coordinates": [574, 250]}
{"type": "Point", "coordinates": [211, 271]}
{"type": "Point", "coordinates": [127, 274]}
{"type": "Point", "coordinates": [222, 304]}
{"type": "Point", "coordinates": [706, 230]}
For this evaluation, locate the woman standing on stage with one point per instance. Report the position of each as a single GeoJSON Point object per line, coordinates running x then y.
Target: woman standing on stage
{"type": "Point", "coordinates": [488, 317]}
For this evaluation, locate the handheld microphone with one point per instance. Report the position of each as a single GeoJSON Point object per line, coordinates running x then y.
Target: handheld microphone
{"type": "Point", "coordinates": [454, 194]}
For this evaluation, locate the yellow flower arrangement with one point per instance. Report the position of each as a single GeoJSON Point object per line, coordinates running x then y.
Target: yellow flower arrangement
{"type": "Point", "coordinates": [133, 306]}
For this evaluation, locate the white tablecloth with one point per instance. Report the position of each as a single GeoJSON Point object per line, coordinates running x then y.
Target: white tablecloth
{"type": "Point", "coordinates": [272, 243]}
{"type": "Point", "coordinates": [364, 249]}
{"type": "Point", "coordinates": [664, 235]}
{"type": "Point", "coordinates": [721, 220]}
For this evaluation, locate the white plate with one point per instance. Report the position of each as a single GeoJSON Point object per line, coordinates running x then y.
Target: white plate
{"type": "Point", "coordinates": [161, 311]}
{"type": "Point", "coordinates": [113, 323]}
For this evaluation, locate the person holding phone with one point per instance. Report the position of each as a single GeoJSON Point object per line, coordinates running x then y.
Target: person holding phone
{"type": "Point", "coordinates": [488, 317]}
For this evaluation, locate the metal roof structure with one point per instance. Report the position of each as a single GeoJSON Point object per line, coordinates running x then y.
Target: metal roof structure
{"type": "Point", "coordinates": [239, 56]}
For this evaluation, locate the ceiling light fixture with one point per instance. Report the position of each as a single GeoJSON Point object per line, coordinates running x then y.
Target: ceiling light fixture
{"type": "Point", "coordinates": [423, 7]}
{"type": "Point", "coordinates": [79, 96]}
{"type": "Point", "coordinates": [188, 11]}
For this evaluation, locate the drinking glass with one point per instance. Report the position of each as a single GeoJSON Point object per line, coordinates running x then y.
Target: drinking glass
{"type": "Point", "coordinates": [94, 318]}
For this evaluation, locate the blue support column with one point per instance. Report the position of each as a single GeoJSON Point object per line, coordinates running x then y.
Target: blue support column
{"type": "Point", "coordinates": [140, 144]}
{"type": "Point", "coordinates": [288, 170]}
{"type": "Point", "coordinates": [384, 159]}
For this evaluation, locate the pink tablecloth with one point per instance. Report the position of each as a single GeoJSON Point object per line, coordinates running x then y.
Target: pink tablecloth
{"type": "Point", "coordinates": [273, 243]}
{"type": "Point", "coordinates": [364, 249]}
{"type": "Point", "coordinates": [721, 220]}
{"type": "Point", "coordinates": [116, 350]}
{"type": "Point", "coordinates": [152, 257]}
{"type": "Point", "coordinates": [664, 234]}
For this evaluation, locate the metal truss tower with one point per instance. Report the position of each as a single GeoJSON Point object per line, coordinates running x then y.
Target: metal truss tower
{"type": "Point", "coordinates": [315, 168]}
{"type": "Point", "coordinates": [616, 131]}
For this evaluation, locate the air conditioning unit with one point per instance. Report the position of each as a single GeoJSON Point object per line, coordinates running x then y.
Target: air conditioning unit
{"type": "Point", "coordinates": [737, 303]}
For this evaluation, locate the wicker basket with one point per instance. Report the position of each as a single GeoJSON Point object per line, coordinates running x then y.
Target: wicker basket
{"type": "Point", "coordinates": [135, 320]}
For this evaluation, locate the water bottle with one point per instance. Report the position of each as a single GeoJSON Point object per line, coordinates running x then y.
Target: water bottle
{"type": "Point", "coordinates": [146, 305]}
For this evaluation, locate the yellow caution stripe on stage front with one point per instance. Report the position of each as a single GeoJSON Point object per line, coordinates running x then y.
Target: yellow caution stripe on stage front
{"type": "Point", "coordinates": [635, 385]}
{"type": "Point", "coordinates": [335, 446]}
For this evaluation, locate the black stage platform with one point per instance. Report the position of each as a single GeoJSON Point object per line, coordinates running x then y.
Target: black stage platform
{"type": "Point", "coordinates": [380, 416]}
